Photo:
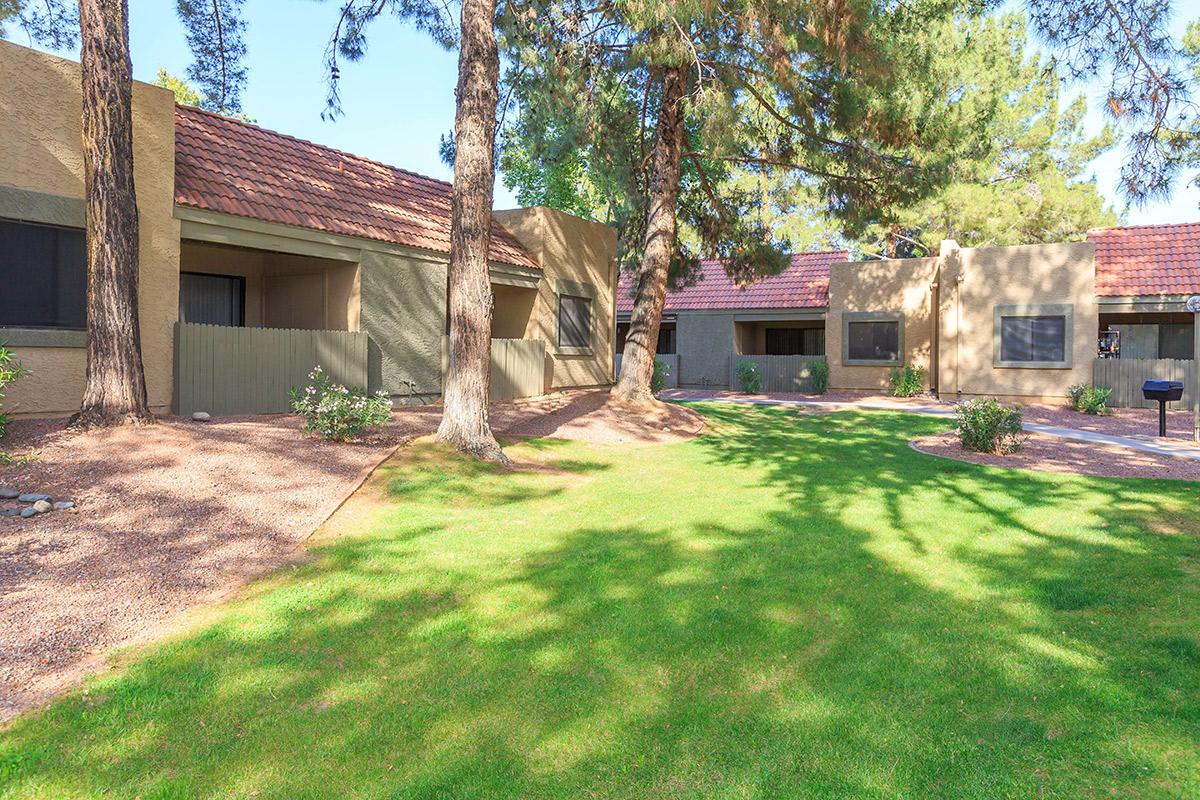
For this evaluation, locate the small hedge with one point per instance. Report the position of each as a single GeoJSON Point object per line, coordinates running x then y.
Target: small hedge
{"type": "Point", "coordinates": [10, 370]}
{"type": "Point", "coordinates": [987, 426]}
{"type": "Point", "coordinates": [1088, 399]}
{"type": "Point", "coordinates": [658, 380]}
{"type": "Point", "coordinates": [819, 373]}
{"type": "Point", "coordinates": [748, 378]}
{"type": "Point", "coordinates": [907, 381]}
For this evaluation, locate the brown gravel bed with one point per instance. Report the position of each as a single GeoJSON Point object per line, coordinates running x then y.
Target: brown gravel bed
{"type": "Point", "coordinates": [1045, 453]}
{"type": "Point", "coordinates": [179, 514]}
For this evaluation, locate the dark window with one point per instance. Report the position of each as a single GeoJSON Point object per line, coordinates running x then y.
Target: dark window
{"type": "Point", "coordinates": [795, 341]}
{"type": "Point", "coordinates": [874, 340]}
{"type": "Point", "coordinates": [666, 340]}
{"type": "Point", "coordinates": [1033, 339]}
{"type": "Point", "coordinates": [43, 276]}
{"type": "Point", "coordinates": [212, 299]}
{"type": "Point", "coordinates": [785, 341]}
{"type": "Point", "coordinates": [574, 321]}
{"type": "Point", "coordinates": [1176, 341]}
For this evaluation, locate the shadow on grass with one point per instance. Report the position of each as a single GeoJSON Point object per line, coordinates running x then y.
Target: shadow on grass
{"type": "Point", "coordinates": [787, 607]}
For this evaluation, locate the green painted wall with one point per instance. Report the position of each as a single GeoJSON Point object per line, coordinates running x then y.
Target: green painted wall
{"type": "Point", "coordinates": [403, 313]}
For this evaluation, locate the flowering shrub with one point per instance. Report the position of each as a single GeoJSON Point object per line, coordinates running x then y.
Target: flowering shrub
{"type": "Point", "coordinates": [10, 370]}
{"type": "Point", "coordinates": [987, 426]}
{"type": "Point", "coordinates": [819, 370]}
{"type": "Point", "coordinates": [748, 377]}
{"type": "Point", "coordinates": [336, 412]}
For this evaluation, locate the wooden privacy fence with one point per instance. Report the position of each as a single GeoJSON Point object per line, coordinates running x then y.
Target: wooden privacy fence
{"type": "Point", "coordinates": [518, 368]}
{"type": "Point", "coordinates": [1126, 375]}
{"type": "Point", "coordinates": [778, 373]}
{"type": "Point", "coordinates": [670, 361]}
{"type": "Point", "coordinates": [225, 370]}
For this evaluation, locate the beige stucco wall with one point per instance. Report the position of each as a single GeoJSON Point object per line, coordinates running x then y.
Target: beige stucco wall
{"type": "Point", "coordinates": [577, 251]}
{"type": "Point", "coordinates": [901, 285]}
{"type": "Point", "coordinates": [41, 151]}
{"type": "Point", "coordinates": [1034, 274]}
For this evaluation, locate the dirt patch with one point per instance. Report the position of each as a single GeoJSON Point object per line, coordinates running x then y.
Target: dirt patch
{"type": "Point", "coordinates": [179, 514]}
{"type": "Point", "coordinates": [1045, 453]}
{"type": "Point", "coordinates": [592, 417]}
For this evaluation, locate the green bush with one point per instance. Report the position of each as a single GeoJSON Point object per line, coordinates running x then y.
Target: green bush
{"type": "Point", "coordinates": [1089, 399]}
{"type": "Point", "coordinates": [658, 380]}
{"type": "Point", "coordinates": [819, 371]}
{"type": "Point", "coordinates": [907, 381]}
{"type": "Point", "coordinates": [336, 412]}
{"type": "Point", "coordinates": [987, 426]}
{"type": "Point", "coordinates": [748, 378]}
{"type": "Point", "coordinates": [10, 371]}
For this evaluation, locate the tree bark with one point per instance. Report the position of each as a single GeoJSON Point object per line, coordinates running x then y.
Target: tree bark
{"type": "Point", "coordinates": [637, 360]}
{"type": "Point", "coordinates": [115, 391]}
{"type": "Point", "coordinates": [465, 416]}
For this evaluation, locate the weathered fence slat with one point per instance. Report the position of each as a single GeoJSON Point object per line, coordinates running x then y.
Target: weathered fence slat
{"type": "Point", "coordinates": [1126, 375]}
{"type": "Point", "coordinates": [517, 368]}
{"type": "Point", "coordinates": [778, 373]}
{"type": "Point", "coordinates": [225, 370]}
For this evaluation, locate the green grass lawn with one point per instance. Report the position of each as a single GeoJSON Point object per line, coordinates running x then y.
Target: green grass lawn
{"type": "Point", "coordinates": [791, 606]}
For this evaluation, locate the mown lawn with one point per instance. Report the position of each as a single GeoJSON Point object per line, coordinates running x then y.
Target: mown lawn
{"type": "Point", "coordinates": [792, 606]}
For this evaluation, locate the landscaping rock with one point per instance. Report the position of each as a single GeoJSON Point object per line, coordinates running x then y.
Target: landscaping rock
{"type": "Point", "coordinates": [43, 507]}
{"type": "Point", "coordinates": [32, 497]}
{"type": "Point", "coordinates": [9, 494]}
{"type": "Point", "coordinates": [201, 416]}
{"type": "Point", "coordinates": [9, 512]}
{"type": "Point", "coordinates": [63, 505]}
{"type": "Point", "coordinates": [28, 512]}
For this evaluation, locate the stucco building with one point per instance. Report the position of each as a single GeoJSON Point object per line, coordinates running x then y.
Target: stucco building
{"type": "Point", "coordinates": [1019, 323]}
{"type": "Point", "coordinates": [242, 227]}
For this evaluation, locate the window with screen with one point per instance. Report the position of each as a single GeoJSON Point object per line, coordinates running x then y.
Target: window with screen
{"type": "Point", "coordinates": [1033, 339]}
{"type": "Point", "coordinates": [873, 340]}
{"type": "Point", "coordinates": [212, 299]}
{"type": "Point", "coordinates": [574, 321]}
{"type": "Point", "coordinates": [43, 272]}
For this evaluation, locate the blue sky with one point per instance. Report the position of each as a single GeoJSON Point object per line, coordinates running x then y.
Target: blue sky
{"type": "Point", "coordinates": [399, 100]}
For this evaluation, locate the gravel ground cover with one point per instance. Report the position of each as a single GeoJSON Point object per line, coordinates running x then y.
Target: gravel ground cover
{"type": "Point", "coordinates": [179, 514]}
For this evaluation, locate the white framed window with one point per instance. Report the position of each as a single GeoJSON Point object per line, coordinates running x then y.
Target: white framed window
{"type": "Point", "coordinates": [1033, 336]}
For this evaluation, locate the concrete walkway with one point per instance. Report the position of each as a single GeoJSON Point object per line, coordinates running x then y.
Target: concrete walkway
{"type": "Point", "coordinates": [1174, 448]}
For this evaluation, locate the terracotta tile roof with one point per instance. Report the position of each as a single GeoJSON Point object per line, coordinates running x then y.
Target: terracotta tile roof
{"type": "Point", "coordinates": [803, 284]}
{"type": "Point", "coordinates": [236, 168]}
{"type": "Point", "coordinates": [1147, 259]}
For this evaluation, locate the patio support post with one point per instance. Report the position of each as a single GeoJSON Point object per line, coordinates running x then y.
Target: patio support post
{"type": "Point", "coordinates": [1195, 302]}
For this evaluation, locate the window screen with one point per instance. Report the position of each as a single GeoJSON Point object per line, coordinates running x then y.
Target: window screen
{"type": "Point", "coordinates": [1033, 338]}
{"type": "Point", "coordinates": [211, 299]}
{"type": "Point", "coordinates": [574, 321]}
{"type": "Point", "coordinates": [874, 341]}
{"type": "Point", "coordinates": [43, 276]}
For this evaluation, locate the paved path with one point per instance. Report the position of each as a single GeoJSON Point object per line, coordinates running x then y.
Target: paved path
{"type": "Point", "coordinates": [1176, 448]}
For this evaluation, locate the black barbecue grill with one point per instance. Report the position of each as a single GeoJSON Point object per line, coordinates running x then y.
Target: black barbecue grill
{"type": "Point", "coordinates": [1164, 392]}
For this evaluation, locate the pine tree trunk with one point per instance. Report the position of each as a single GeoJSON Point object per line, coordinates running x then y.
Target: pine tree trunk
{"type": "Point", "coordinates": [115, 391]}
{"type": "Point", "coordinates": [465, 417]}
{"type": "Point", "coordinates": [637, 361]}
